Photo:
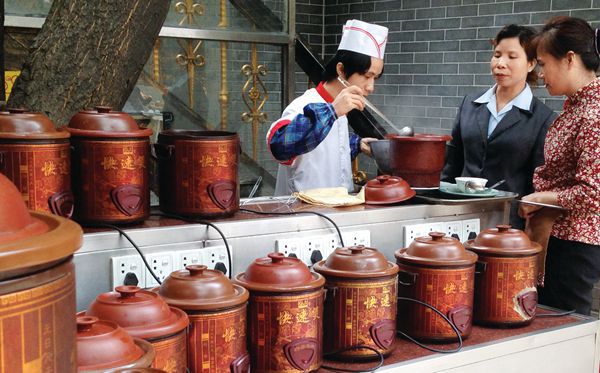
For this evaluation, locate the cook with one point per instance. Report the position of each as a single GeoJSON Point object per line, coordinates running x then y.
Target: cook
{"type": "Point", "coordinates": [568, 52]}
{"type": "Point", "coordinates": [311, 141]}
{"type": "Point", "coordinates": [499, 135]}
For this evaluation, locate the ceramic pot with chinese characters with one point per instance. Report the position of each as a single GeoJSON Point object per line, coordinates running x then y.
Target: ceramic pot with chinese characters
{"type": "Point", "coordinates": [437, 270]}
{"type": "Point", "coordinates": [144, 314]}
{"type": "Point", "coordinates": [360, 305]}
{"type": "Point", "coordinates": [217, 312]}
{"type": "Point", "coordinates": [37, 286]}
{"type": "Point", "coordinates": [36, 157]}
{"type": "Point", "coordinates": [198, 172]}
{"type": "Point", "coordinates": [505, 277]}
{"type": "Point", "coordinates": [285, 314]}
{"type": "Point", "coordinates": [109, 167]}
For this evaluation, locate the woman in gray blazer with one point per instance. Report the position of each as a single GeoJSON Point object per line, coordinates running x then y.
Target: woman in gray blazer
{"type": "Point", "coordinates": [499, 134]}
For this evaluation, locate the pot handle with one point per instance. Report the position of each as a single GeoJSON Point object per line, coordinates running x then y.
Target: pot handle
{"type": "Point", "coordinates": [3, 161]}
{"type": "Point", "coordinates": [480, 267]}
{"type": "Point", "coordinates": [163, 152]}
{"type": "Point", "coordinates": [407, 278]}
{"type": "Point", "coordinates": [128, 199]}
{"type": "Point", "coordinates": [62, 204]}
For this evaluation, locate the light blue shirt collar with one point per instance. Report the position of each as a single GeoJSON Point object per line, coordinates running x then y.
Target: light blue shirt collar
{"type": "Point", "coordinates": [522, 101]}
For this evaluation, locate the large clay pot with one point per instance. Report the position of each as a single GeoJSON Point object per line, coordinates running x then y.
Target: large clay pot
{"type": "Point", "coordinates": [506, 277]}
{"type": "Point", "coordinates": [145, 315]}
{"type": "Point", "coordinates": [418, 159]}
{"type": "Point", "coordinates": [217, 312]}
{"type": "Point", "coordinates": [360, 305]}
{"type": "Point", "coordinates": [37, 287]}
{"type": "Point", "coordinates": [198, 172]}
{"type": "Point", "coordinates": [110, 167]}
{"type": "Point", "coordinates": [103, 346]}
{"type": "Point", "coordinates": [439, 271]}
{"type": "Point", "coordinates": [36, 157]}
{"type": "Point", "coordinates": [285, 314]}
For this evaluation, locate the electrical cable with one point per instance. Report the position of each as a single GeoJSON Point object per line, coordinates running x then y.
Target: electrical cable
{"type": "Point", "coordinates": [300, 212]}
{"type": "Point", "coordinates": [122, 232]}
{"type": "Point", "coordinates": [352, 348]}
{"type": "Point", "coordinates": [198, 221]}
{"type": "Point", "coordinates": [454, 328]}
{"type": "Point", "coordinates": [558, 314]}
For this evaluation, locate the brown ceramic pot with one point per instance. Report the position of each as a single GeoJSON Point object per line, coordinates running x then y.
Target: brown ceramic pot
{"type": "Point", "coordinates": [103, 346]}
{"type": "Point", "coordinates": [360, 305]}
{"type": "Point", "coordinates": [143, 314]}
{"type": "Point", "coordinates": [217, 312]}
{"type": "Point", "coordinates": [36, 157]}
{"type": "Point", "coordinates": [198, 172]}
{"type": "Point", "coordinates": [386, 189]}
{"type": "Point", "coordinates": [285, 314]}
{"type": "Point", "coordinates": [110, 167]}
{"type": "Point", "coordinates": [37, 287]}
{"type": "Point", "coordinates": [506, 277]}
{"type": "Point", "coordinates": [439, 271]}
{"type": "Point", "coordinates": [418, 159]}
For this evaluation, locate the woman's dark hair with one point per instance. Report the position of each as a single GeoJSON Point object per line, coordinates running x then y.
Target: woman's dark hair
{"type": "Point", "coordinates": [526, 36]}
{"type": "Point", "coordinates": [353, 63]}
{"type": "Point", "coordinates": [563, 34]}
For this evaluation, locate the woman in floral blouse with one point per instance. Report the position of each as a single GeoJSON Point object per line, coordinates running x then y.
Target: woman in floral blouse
{"type": "Point", "coordinates": [568, 56]}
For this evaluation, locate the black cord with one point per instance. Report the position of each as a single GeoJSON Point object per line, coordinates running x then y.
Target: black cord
{"type": "Point", "coordinates": [558, 314]}
{"type": "Point", "coordinates": [460, 342]}
{"type": "Point", "coordinates": [300, 212]}
{"type": "Point", "coordinates": [122, 232]}
{"type": "Point", "coordinates": [352, 348]}
{"type": "Point", "coordinates": [198, 221]}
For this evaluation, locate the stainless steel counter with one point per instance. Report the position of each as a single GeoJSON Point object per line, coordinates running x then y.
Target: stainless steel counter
{"type": "Point", "coordinates": [255, 236]}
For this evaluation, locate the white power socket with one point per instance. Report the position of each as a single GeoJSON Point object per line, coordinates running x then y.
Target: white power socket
{"type": "Point", "coordinates": [356, 238]}
{"type": "Point", "coordinates": [213, 255]}
{"type": "Point", "coordinates": [290, 247]}
{"type": "Point", "coordinates": [470, 229]}
{"type": "Point", "coordinates": [162, 266]}
{"type": "Point", "coordinates": [453, 229]}
{"type": "Point", "coordinates": [187, 257]}
{"type": "Point", "coordinates": [413, 231]}
{"type": "Point", "coordinates": [121, 265]}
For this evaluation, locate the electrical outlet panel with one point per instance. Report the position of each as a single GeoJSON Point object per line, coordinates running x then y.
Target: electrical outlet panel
{"type": "Point", "coordinates": [215, 257]}
{"type": "Point", "coordinates": [356, 238]}
{"type": "Point", "coordinates": [470, 229]}
{"type": "Point", "coordinates": [413, 231]}
{"type": "Point", "coordinates": [162, 266]}
{"type": "Point", "coordinates": [188, 257]}
{"type": "Point", "coordinates": [121, 265]}
{"type": "Point", "coordinates": [453, 229]}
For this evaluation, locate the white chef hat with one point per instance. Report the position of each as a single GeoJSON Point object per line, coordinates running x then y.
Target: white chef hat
{"type": "Point", "coordinates": [365, 38]}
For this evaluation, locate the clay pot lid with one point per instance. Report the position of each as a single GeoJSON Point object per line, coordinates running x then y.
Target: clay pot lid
{"type": "Point", "coordinates": [19, 124]}
{"type": "Point", "coordinates": [199, 288]}
{"type": "Point", "coordinates": [503, 241]}
{"type": "Point", "coordinates": [386, 189]}
{"type": "Point", "coordinates": [278, 273]}
{"type": "Point", "coordinates": [143, 314]}
{"type": "Point", "coordinates": [436, 250]}
{"type": "Point", "coordinates": [356, 262]}
{"type": "Point", "coordinates": [103, 344]}
{"type": "Point", "coordinates": [103, 122]}
{"type": "Point", "coordinates": [29, 240]}
{"type": "Point", "coordinates": [419, 137]}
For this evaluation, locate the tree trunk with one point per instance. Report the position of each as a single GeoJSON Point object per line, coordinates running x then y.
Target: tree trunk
{"type": "Point", "coordinates": [88, 53]}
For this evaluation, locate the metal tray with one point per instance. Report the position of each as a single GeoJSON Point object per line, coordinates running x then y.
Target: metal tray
{"type": "Point", "coordinates": [436, 196]}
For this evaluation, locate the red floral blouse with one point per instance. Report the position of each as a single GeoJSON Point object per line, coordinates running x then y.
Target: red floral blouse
{"type": "Point", "coordinates": [572, 166]}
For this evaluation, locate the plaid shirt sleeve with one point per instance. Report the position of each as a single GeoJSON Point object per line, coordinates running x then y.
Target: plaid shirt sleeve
{"type": "Point", "coordinates": [291, 138]}
{"type": "Point", "coordinates": [354, 145]}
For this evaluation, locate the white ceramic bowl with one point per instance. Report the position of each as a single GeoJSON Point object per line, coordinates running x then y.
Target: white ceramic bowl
{"type": "Point", "coordinates": [470, 184]}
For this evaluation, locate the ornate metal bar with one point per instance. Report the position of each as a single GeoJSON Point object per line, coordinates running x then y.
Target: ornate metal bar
{"type": "Point", "coordinates": [255, 96]}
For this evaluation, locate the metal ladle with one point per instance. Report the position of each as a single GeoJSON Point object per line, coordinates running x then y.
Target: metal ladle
{"type": "Point", "coordinates": [480, 188]}
{"type": "Point", "coordinates": [404, 131]}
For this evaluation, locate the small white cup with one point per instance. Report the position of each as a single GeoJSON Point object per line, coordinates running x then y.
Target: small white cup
{"type": "Point", "coordinates": [470, 184]}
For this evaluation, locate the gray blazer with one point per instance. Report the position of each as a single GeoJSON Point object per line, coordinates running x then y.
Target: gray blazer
{"type": "Point", "coordinates": [512, 152]}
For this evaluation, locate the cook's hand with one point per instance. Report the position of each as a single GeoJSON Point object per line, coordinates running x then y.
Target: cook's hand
{"type": "Point", "coordinates": [348, 99]}
{"type": "Point", "coordinates": [527, 211]}
{"type": "Point", "coordinates": [364, 145]}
